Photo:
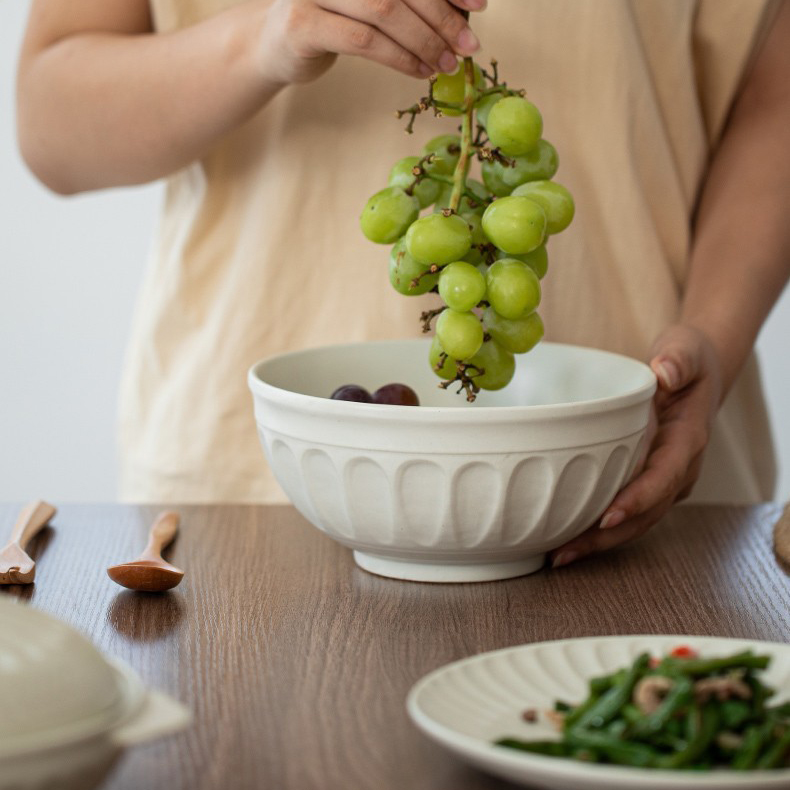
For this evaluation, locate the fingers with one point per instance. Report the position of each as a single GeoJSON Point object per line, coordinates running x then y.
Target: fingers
{"type": "Point", "coordinates": [595, 539]}
{"type": "Point", "coordinates": [400, 34]}
{"type": "Point", "coordinates": [340, 34]}
{"type": "Point", "coordinates": [448, 23]}
{"type": "Point", "coordinates": [676, 358]}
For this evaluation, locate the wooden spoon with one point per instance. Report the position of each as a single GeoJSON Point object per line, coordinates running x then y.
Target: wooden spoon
{"type": "Point", "coordinates": [149, 572]}
{"type": "Point", "coordinates": [16, 567]}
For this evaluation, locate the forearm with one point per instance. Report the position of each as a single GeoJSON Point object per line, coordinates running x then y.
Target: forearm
{"type": "Point", "coordinates": [99, 109]}
{"type": "Point", "coordinates": [740, 259]}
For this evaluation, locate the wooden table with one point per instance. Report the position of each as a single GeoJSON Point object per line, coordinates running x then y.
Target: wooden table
{"type": "Point", "coordinates": [296, 663]}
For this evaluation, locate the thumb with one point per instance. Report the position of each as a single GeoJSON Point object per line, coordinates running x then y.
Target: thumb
{"type": "Point", "coordinates": [676, 358]}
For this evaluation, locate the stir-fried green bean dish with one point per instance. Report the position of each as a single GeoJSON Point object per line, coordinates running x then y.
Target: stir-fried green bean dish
{"type": "Point", "coordinates": [679, 712]}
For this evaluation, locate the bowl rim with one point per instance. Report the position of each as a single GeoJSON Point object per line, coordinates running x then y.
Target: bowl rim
{"type": "Point", "coordinates": [380, 411]}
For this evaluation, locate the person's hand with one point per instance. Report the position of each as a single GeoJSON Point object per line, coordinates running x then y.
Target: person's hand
{"type": "Point", "coordinates": [415, 37]}
{"type": "Point", "coordinates": [685, 404]}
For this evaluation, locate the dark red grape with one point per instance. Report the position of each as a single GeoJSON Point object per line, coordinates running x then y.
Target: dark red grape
{"type": "Point", "coordinates": [397, 395]}
{"type": "Point", "coordinates": [352, 392]}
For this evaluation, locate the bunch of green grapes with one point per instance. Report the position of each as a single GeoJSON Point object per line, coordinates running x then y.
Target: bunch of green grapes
{"type": "Point", "coordinates": [481, 245]}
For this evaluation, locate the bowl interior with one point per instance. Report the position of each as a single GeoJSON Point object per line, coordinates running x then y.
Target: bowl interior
{"type": "Point", "coordinates": [550, 374]}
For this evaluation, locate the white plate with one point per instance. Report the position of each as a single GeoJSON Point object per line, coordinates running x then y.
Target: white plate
{"type": "Point", "coordinates": [468, 704]}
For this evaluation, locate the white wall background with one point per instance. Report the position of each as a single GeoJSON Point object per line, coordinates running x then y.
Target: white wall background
{"type": "Point", "coordinates": [69, 271]}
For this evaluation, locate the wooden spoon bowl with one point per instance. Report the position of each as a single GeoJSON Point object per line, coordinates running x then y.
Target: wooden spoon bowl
{"type": "Point", "coordinates": [149, 572]}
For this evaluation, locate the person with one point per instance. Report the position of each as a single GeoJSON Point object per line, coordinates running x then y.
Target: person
{"type": "Point", "coordinates": [671, 123]}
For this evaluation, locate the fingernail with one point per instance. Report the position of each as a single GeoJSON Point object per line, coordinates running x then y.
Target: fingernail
{"type": "Point", "coordinates": [425, 70]}
{"type": "Point", "coordinates": [612, 519]}
{"type": "Point", "coordinates": [448, 62]}
{"type": "Point", "coordinates": [467, 41]}
{"type": "Point", "coordinates": [475, 5]}
{"type": "Point", "coordinates": [565, 558]}
{"type": "Point", "coordinates": [668, 373]}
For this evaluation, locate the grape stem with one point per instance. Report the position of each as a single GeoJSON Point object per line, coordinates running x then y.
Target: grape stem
{"type": "Point", "coordinates": [428, 316]}
{"type": "Point", "coordinates": [462, 168]}
{"type": "Point", "coordinates": [465, 380]}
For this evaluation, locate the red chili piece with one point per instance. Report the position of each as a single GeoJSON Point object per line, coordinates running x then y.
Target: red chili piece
{"type": "Point", "coordinates": [684, 651]}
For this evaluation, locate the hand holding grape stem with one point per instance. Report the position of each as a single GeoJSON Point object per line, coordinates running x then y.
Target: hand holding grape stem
{"type": "Point", "coordinates": [94, 110]}
{"type": "Point", "coordinates": [415, 37]}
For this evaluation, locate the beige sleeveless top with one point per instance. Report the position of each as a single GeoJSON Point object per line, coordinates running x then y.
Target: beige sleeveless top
{"type": "Point", "coordinates": [259, 249]}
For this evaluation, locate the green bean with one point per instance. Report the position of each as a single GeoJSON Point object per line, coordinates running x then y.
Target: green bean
{"type": "Point", "coordinates": [707, 666]}
{"type": "Point", "coordinates": [734, 713]}
{"type": "Point", "coordinates": [675, 728]}
{"type": "Point", "coordinates": [679, 695]}
{"type": "Point", "coordinates": [753, 741]}
{"type": "Point", "coordinates": [617, 751]}
{"type": "Point", "coordinates": [597, 687]}
{"type": "Point", "coordinates": [607, 705]}
{"type": "Point", "coordinates": [631, 713]}
{"type": "Point", "coordinates": [603, 683]}
{"type": "Point", "coordinates": [617, 728]}
{"type": "Point", "coordinates": [776, 753]}
{"type": "Point", "coordinates": [702, 726]}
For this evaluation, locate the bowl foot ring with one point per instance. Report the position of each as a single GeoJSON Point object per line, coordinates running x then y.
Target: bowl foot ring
{"type": "Point", "coordinates": [447, 572]}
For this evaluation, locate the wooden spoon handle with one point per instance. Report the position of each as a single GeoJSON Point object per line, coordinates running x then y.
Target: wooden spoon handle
{"type": "Point", "coordinates": [162, 532]}
{"type": "Point", "coordinates": [31, 519]}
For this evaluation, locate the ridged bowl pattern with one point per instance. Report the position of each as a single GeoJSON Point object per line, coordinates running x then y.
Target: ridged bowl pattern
{"type": "Point", "coordinates": [442, 492]}
{"type": "Point", "coordinates": [467, 705]}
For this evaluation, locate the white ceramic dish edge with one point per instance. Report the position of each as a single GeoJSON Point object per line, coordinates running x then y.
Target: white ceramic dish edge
{"type": "Point", "coordinates": [561, 774]}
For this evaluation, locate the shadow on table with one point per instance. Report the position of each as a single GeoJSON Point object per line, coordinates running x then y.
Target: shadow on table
{"type": "Point", "coordinates": [145, 617]}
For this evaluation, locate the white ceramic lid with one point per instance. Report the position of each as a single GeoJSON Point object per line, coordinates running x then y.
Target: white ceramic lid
{"type": "Point", "coordinates": [55, 686]}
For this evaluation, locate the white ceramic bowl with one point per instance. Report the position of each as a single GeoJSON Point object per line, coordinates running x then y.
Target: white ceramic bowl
{"type": "Point", "coordinates": [67, 712]}
{"type": "Point", "coordinates": [451, 491]}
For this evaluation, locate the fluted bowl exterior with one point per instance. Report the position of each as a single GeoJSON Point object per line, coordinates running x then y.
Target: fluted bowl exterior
{"type": "Point", "coordinates": [449, 485]}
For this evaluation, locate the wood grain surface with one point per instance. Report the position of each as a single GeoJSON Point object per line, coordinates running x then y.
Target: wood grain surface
{"type": "Point", "coordinates": [296, 663]}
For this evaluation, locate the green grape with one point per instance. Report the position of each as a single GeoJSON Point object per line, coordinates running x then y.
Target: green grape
{"type": "Point", "coordinates": [461, 286]}
{"type": "Point", "coordinates": [513, 289]}
{"type": "Point", "coordinates": [515, 224]}
{"type": "Point", "coordinates": [448, 368]}
{"type": "Point", "coordinates": [497, 364]}
{"type": "Point", "coordinates": [492, 178]}
{"type": "Point", "coordinates": [556, 201]}
{"type": "Point", "coordinates": [474, 257]}
{"type": "Point", "coordinates": [461, 334]}
{"type": "Point", "coordinates": [538, 260]}
{"type": "Point", "coordinates": [388, 214]}
{"type": "Point", "coordinates": [439, 239]}
{"type": "Point", "coordinates": [404, 270]}
{"type": "Point", "coordinates": [484, 105]}
{"type": "Point", "coordinates": [449, 88]}
{"type": "Point", "coordinates": [514, 125]}
{"type": "Point", "coordinates": [517, 335]}
{"type": "Point", "coordinates": [539, 164]}
{"type": "Point", "coordinates": [475, 223]}
{"type": "Point", "coordinates": [446, 160]}
{"type": "Point", "coordinates": [464, 205]}
{"type": "Point", "coordinates": [402, 176]}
